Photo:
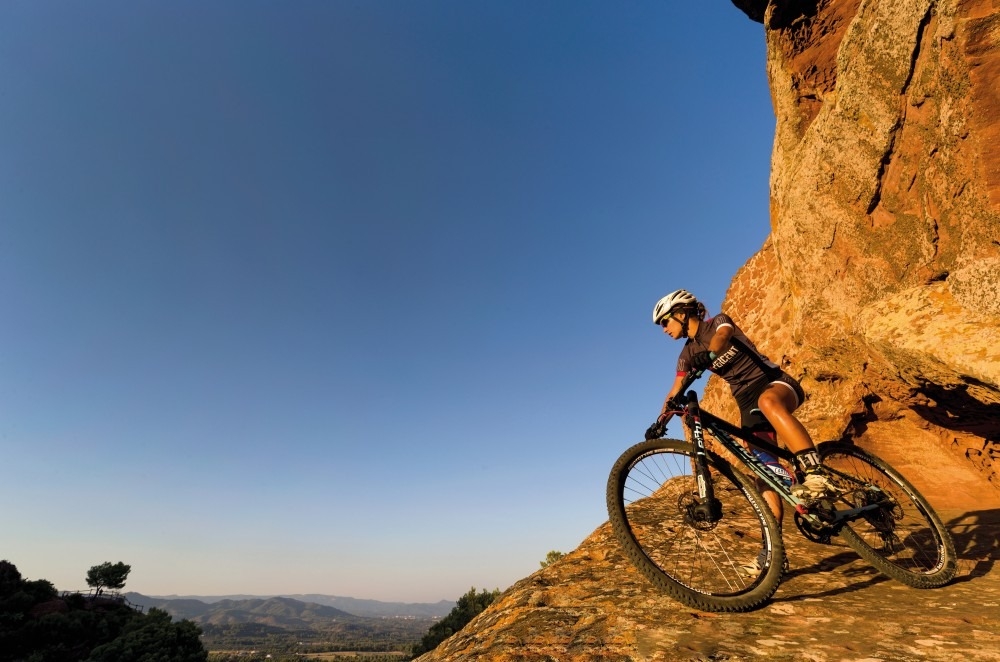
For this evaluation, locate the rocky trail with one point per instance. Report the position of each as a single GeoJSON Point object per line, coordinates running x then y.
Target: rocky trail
{"type": "Point", "coordinates": [831, 607]}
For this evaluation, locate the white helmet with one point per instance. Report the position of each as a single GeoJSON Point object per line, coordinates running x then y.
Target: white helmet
{"type": "Point", "coordinates": [678, 299]}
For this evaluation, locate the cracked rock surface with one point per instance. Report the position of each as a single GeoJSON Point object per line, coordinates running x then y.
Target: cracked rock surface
{"type": "Point", "coordinates": [879, 286]}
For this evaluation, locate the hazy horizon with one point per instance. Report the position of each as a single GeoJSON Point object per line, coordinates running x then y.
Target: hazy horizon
{"type": "Point", "coordinates": [248, 596]}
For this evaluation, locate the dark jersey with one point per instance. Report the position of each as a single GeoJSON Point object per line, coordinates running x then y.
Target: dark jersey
{"type": "Point", "coordinates": [741, 365]}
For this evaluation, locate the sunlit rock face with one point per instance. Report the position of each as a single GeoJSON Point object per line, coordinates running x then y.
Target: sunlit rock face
{"type": "Point", "coordinates": [879, 286]}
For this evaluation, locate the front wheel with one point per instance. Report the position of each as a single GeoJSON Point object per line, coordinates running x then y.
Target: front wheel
{"type": "Point", "coordinates": [731, 564]}
{"type": "Point", "coordinates": [902, 536]}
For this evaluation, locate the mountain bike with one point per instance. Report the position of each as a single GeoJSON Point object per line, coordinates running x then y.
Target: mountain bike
{"type": "Point", "coordinates": [691, 522]}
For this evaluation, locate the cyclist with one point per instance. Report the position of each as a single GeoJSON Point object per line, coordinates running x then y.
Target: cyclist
{"type": "Point", "coordinates": [766, 395]}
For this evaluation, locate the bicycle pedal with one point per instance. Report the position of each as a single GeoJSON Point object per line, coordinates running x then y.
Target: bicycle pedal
{"type": "Point", "coordinates": [813, 528]}
{"type": "Point", "coordinates": [820, 508]}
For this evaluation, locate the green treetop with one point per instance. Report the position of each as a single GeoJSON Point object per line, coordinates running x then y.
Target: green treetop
{"type": "Point", "coordinates": [108, 575]}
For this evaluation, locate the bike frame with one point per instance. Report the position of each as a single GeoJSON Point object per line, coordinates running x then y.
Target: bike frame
{"type": "Point", "coordinates": [726, 434]}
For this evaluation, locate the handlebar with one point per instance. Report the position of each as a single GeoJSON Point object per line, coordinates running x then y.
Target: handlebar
{"type": "Point", "coordinates": [689, 380]}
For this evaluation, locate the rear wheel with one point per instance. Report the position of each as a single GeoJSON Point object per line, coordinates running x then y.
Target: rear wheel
{"type": "Point", "coordinates": [652, 494]}
{"type": "Point", "coordinates": [903, 537]}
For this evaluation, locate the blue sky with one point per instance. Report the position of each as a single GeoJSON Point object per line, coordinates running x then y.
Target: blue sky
{"type": "Point", "coordinates": [351, 297]}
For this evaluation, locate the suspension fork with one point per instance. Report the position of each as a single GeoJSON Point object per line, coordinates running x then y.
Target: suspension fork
{"type": "Point", "coordinates": [708, 509]}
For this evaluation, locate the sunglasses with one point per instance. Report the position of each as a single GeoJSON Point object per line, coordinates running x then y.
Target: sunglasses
{"type": "Point", "coordinates": [666, 320]}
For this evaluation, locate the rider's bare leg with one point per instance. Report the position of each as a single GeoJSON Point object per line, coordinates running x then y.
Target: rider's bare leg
{"type": "Point", "coordinates": [777, 403]}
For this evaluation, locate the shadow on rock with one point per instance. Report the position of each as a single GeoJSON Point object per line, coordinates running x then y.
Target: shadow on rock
{"type": "Point", "coordinates": [977, 542]}
{"type": "Point", "coordinates": [858, 578]}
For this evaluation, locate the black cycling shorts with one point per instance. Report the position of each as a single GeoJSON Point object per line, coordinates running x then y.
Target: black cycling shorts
{"type": "Point", "coordinates": [751, 417]}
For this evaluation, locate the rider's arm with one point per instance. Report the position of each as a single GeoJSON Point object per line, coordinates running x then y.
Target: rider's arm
{"type": "Point", "coordinates": [720, 341]}
{"type": "Point", "coordinates": [717, 345]}
{"type": "Point", "coordinates": [678, 384]}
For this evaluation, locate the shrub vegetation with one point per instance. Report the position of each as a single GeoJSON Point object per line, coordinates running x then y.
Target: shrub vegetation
{"type": "Point", "coordinates": [39, 625]}
{"type": "Point", "coordinates": [468, 607]}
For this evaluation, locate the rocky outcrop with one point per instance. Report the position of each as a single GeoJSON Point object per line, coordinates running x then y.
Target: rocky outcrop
{"type": "Point", "coordinates": [755, 9]}
{"type": "Point", "coordinates": [592, 606]}
{"type": "Point", "coordinates": [879, 287]}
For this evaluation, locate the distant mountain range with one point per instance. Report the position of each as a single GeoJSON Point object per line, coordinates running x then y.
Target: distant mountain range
{"type": "Point", "coordinates": [296, 610]}
{"type": "Point", "coordinates": [258, 622]}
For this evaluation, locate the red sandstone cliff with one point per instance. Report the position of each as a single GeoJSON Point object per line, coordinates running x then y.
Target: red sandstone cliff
{"type": "Point", "coordinates": [880, 283]}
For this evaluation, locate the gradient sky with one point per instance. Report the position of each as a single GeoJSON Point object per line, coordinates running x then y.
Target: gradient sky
{"type": "Point", "coordinates": [351, 296]}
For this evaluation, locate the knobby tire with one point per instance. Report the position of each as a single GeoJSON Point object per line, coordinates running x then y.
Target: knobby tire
{"type": "Point", "coordinates": [649, 494]}
{"type": "Point", "coordinates": [904, 539]}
